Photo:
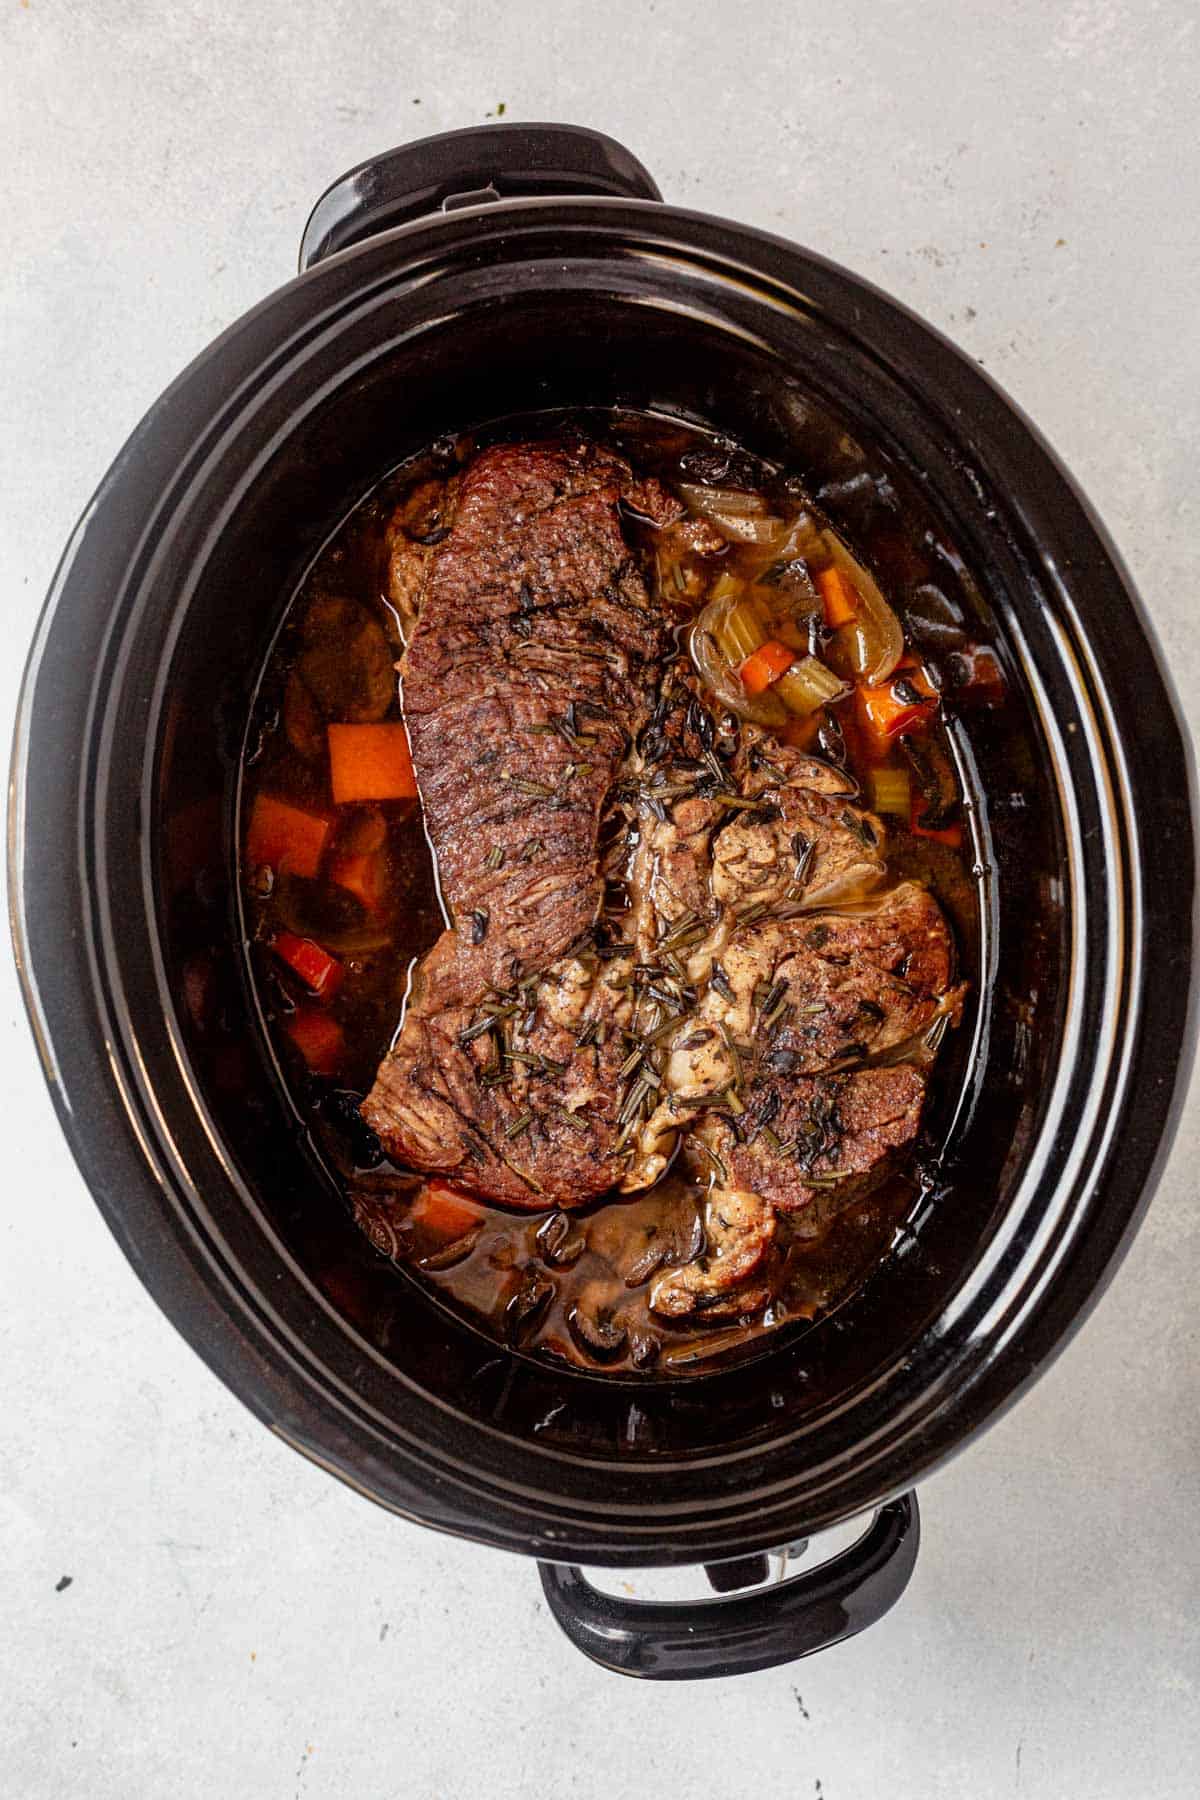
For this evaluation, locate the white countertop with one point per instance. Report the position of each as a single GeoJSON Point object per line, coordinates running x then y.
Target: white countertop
{"type": "Point", "coordinates": [238, 1624]}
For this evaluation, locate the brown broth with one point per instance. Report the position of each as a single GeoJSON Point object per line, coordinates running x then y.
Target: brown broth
{"type": "Point", "coordinates": [529, 1278]}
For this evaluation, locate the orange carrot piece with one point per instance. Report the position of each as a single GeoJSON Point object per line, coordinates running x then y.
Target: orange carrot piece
{"type": "Point", "coordinates": [839, 597]}
{"type": "Point", "coordinates": [904, 703]}
{"type": "Point", "coordinates": [948, 834]}
{"type": "Point", "coordinates": [370, 762]}
{"type": "Point", "coordinates": [765, 665]}
{"type": "Point", "coordinates": [363, 874]}
{"type": "Point", "coordinates": [285, 836]}
{"type": "Point", "coordinates": [318, 970]}
{"type": "Point", "coordinates": [318, 1038]}
{"type": "Point", "coordinates": [442, 1210]}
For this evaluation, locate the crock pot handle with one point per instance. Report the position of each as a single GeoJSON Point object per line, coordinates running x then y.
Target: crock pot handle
{"type": "Point", "coordinates": [458, 168]}
{"type": "Point", "coordinates": [685, 1641]}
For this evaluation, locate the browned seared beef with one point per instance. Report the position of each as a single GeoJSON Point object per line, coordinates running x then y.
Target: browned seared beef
{"type": "Point", "coordinates": [533, 663]}
{"type": "Point", "coordinates": [560, 744]}
{"type": "Point", "coordinates": [838, 1133]}
{"type": "Point", "coordinates": [545, 1131]}
{"type": "Point", "coordinates": [534, 658]}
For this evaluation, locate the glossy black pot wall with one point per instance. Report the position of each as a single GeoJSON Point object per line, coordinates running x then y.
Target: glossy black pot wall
{"type": "Point", "coordinates": [560, 281]}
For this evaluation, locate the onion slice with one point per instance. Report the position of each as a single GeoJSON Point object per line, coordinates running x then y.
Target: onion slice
{"type": "Point", "coordinates": [737, 515]}
{"type": "Point", "coordinates": [721, 677]}
{"type": "Point", "coordinates": [875, 641]}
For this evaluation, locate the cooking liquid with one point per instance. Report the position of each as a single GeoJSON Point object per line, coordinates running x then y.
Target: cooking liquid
{"type": "Point", "coordinates": [516, 1275]}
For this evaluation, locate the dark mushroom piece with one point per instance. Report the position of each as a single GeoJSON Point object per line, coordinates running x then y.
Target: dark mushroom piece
{"type": "Point", "coordinates": [558, 1241]}
{"type": "Point", "coordinates": [347, 663]}
{"type": "Point", "coordinates": [302, 721]}
{"type": "Point", "coordinates": [598, 1335]}
{"type": "Point", "coordinates": [644, 1349]}
{"type": "Point", "coordinates": [453, 1253]}
{"type": "Point", "coordinates": [528, 1305]}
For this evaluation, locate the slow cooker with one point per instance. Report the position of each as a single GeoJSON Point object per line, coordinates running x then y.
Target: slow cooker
{"type": "Point", "coordinates": [444, 286]}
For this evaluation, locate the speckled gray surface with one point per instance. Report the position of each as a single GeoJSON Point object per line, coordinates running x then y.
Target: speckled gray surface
{"type": "Point", "coordinates": [236, 1623]}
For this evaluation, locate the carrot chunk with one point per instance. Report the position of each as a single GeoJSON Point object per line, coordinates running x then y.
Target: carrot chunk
{"type": "Point", "coordinates": [363, 874]}
{"type": "Point", "coordinates": [285, 836]}
{"type": "Point", "coordinates": [903, 704]}
{"type": "Point", "coordinates": [839, 597]}
{"type": "Point", "coordinates": [765, 665]}
{"type": "Point", "coordinates": [370, 762]}
{"type": "Point", "coordinates": [319, 971]}
{"type": "Point", "coordinates": [442, 1210]}
{"type": "Point", "coordinates": [947, 834]}
{"type": "Point", "coordinates": [318, 1038]}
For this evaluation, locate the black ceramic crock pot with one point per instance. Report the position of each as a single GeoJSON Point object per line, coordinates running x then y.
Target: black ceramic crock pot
{"type": "Point", "coordinates": [447, 285]}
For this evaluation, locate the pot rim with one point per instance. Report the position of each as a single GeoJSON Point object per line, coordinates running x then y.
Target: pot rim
{"type": "Point", "coordinates": [1023, 1301]}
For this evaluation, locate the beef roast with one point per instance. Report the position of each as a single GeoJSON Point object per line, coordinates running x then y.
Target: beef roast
{"type": "Point", "coordinates": [534, 660]}
{"type": "Point", "coordinates": [669, 933]}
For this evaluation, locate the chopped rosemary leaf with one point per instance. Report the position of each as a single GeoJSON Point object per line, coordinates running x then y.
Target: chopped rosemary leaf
{"type": "Point", "coordinates": [633, 1100]}
{"type": "Point", "coordinates": [587, 1035]}
{"type": "Point", "coordinates": [476, 1030]}
{"type": "Point", "coordinates": [533, 847]}
{"type": "Point", "coordinates": [720, 980]}
{"type": "Point", "coordinates": [667, 1029]}
{"type": "Point", "coordinates": [571, 1119]}
{"type": "Point", "coordinates": [529, 787]}
{"type": "Point", "coordinates": [495, 857]}
{"type": "Point", "coordinates": [774, 994]}
{"type": "Point", "coordinates": [719, 772]}
{"type": "Point", "coordinates": [519, 1125]}
{"type": "Point", "coordinates": [626, 1131]}
{"type": "Point", "coordinates": [522, 1174]}
{"type": "Point", "coordinates": [718, 1165]}
{"type": "Point", "coordinates": [630, 1064]}
{"type": "Point", "coordinates": [734, 1059]}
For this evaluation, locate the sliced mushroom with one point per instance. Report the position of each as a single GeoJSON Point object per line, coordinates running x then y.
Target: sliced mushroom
{"type": "Point", "coordinates": [558, 1241]}
{"type": "Point", "coordinates": [347, 664]}
{"type": "Point", "coordinates": [527, 1306]}
{"type": "Point", "coordinates": [453, 1253]}
{"type": "Point", "coordinates": [302, 720]}
{"type": "Point", "coordinates": [600, 1335]}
